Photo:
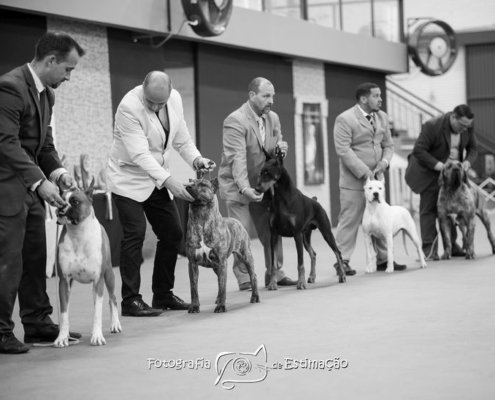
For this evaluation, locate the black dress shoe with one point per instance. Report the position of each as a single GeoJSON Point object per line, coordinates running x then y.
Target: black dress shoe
{"type": "Point", "coordinates": [458, 252]}
{"type": "Point", "coordinates": [286, 281]}
{"type": "Point", "coordinates": [10, 345]}
{"type": "Point", "coordinates": [397, 267]}
{"type": "Point", "coordinates": [138, 308]}
{"type": "Point", "coordinates": [347, 268]}
{"type": "Point", "coordinates": [171, 302]}
{"type": "Point", "coordinates": [44, 333]}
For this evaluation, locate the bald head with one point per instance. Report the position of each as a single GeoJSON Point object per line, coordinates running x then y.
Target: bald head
{"type": "Point", "coordinates": [156, 90]}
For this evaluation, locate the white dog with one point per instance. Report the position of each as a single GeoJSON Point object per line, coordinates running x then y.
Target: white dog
{"type": "Point", "coordinates": [383, 221]}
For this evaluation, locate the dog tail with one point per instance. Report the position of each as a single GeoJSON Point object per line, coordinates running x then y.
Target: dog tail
{"type": "Point", "coordinates": [404, 241]}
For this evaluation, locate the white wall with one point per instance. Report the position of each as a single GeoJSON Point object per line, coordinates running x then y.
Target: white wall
{"type": "Point", "coordinates": [448, 90]}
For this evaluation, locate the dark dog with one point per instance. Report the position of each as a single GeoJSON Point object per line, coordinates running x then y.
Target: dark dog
{"type": "Point", "coordinates": [211, 239]}
{"type": "Point", "coordinates": [462, 200]}
{"type": "Point", "coordinates": [292, 214]}
{"type": "Point", "coordinates": [84, 256]}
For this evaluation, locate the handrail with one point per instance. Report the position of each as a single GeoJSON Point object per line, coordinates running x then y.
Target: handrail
{"type": "Point", "coordinates": [414, 96]}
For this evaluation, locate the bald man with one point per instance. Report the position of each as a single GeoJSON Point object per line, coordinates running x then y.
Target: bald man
{"type": "Point", "coordinates": [149, 122]}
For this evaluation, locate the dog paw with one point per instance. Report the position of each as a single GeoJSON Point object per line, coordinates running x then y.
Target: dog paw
{"type": "Point", "coordinates": [342, 279]}
{"type": "Point", "coordinates": [220, 309]}
{"type": "Point", "coordinates": [193, 309]}
{"type": "Point", "coordinates": [470, 256]}
{"type": "Point", "coordinates": [116, 327]}
{"type": "Point", "coordinates": [97, 339]}
{"type": "Point", "coordinates": [301, 285]}
{"type": "Point", "coordinates": [61, 341]}
{"type": "Point", "coordinates": [389, 270]}
{"type": "Point", "coordinates": [272, 286]}
{"type": "Point", "coordinates": [255, 298]}
{"type": "Point", "coordinates": [311, 279]}
{"type": "Point", "coordinates": [445, 256]}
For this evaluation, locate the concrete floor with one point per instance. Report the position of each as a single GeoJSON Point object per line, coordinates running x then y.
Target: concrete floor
{"type": "Point", "coordinates": [419, 334]}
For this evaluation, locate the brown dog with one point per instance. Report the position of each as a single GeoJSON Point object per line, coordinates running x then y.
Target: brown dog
{"type": "Point", "coordinates": [211, 239]}
{"type": "Point", "coordinates": [461, 199]}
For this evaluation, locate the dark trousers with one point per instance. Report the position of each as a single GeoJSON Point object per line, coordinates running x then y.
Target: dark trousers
{"type": "Point", "coordinates": [162, 214]}
{"type": "Point", "coordinates": [427, 221]}
{"type": "Point", "coordinates": [23, 265]}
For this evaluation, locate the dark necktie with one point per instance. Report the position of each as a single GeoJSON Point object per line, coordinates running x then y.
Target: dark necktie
{"type": "Point", "coordinates": [43, 105]}
{"type": "Point", "coordinates": [369, 117]}
{"type": "Point", "coordinates": [166, 130]}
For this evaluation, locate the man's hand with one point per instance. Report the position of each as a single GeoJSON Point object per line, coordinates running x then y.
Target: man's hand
{"type": "Point", "coordinates": [380, 168]}
{"type": "Point", "coordinates": [466, 165]}
{"type": "Point", "coordinates": [178, 189]}
{"type": "Point", "coordinates": [438, 166]}
{"type": "Point", "coordinates": [369, 175]}
{"type": "Point", "coordinates": [253, 195]}
{"type": "Point", "coordinates": [283, 148]}
{"type": "Point", "coordinates": [50, 193]}
{"type": "Point", "coordinates": [66, 182]}
{"type": "Point", "coordinates": [204, 164]}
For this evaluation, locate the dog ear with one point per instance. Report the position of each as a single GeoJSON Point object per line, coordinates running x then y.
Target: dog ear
{"type": "Point", "coordinates": [214, 183]}
{"type": "Point", "coordinates": [440, 177]}
{"type": "Point", "coordinates": [90, 189]}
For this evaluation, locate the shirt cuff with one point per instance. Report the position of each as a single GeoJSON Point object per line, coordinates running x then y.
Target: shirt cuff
{"type": "Point", "coordinates": [35, 185]}
{"type": "Point", "coordinates": [57, 173]}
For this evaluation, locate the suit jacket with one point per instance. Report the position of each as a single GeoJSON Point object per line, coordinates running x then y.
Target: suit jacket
{"type": "Point", "coordinates": [359, 147]}
{"type": "Point", "coordinates": [138, 160]}
{"type": "Point", "coordinates": [27, 153]}
{"type": "Point", "coordinates": [432, 146]}
{"type": "Point", "coordinates": [242, 155]}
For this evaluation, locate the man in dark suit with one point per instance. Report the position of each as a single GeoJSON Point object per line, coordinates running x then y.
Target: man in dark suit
{"type": "Point", "coordinates": [30, 173]}
{"type": "Point", "coordinates": [449, 136]}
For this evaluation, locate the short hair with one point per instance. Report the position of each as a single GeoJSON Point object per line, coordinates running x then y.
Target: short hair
{"type": "Point", "coordinates": [58, 44]}
{"type": "Point", "coordinates": [463, 110]}
{"type": "Point", "coordinates": [153, 76]}
{"type": "Point", "coordinates": [364, 89]}
{"type": "Point", "coordinates": [254, 85]}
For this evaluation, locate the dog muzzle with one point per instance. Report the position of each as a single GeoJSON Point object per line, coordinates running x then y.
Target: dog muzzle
{"type": "Point", "coordinates": [62, 218]}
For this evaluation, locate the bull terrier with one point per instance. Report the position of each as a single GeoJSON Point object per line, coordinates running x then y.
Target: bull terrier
{"type": "Point", "coordinates": [383, 221]}
{"type": "Point", "coordinates": [211, 239]}
{"type": "Point", "coordinates": [84, 255]}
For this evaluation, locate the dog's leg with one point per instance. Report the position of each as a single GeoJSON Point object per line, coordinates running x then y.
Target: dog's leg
{"type": "Point", "coordinates": [411, 231]}
{"type": "Point", "coordinates": [193, 280]}
{"type": "Point", "coordinates": [247, 259]}
{"type": "Point", "coordinates": [370, 253]}
{"type": "Point", "coordinates": [312, 255]}
{"type": "Point", "coordinates": [64, 293]}
{"type": "Point", "coordinates": [301, 279]}
{"type": "Point", "coordinates": [114, 311]}
{"type": "Point", "coordinates": [97, 338]}
{"type": "Point", "coordinates": [390, 251]}
{"type": "Point", "coordinates": [444, 222]}
{"type": "Point", "coordinates": [483, 215]}
{"type": "Point", "coordinates": [325, 227]}
{"type": "Point", "coordinates": [221, 272]}
{"type": "Point", "coordinates": [470, 238]}
{"type": "Point", "coordinates": [272, 285]}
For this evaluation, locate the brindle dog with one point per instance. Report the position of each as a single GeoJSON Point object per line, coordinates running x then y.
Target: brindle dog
{"type": "Point", "coordinates": [458, 202]}
{"type": "Point", "coordinates": [211, 239]}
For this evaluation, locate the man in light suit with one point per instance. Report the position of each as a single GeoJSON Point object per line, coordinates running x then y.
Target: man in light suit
{"type": "Point", "coordinates": [249, 133]}
{"type": "Point", "coordinates": [364, 145]}
{"type": "Point", "coordinates": [30, 174]}
{"type": "Point", "coordinates": [150, 121]}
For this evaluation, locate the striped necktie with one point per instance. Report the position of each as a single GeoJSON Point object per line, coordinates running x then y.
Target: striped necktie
{"type": "Point", "coordinates": [261, 126]}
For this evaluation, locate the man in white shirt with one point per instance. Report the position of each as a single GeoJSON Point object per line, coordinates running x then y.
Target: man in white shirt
{"type": "Point", "coordinates": [149, 122]}
{"type": "Point", "coordinates": [30, 173]}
